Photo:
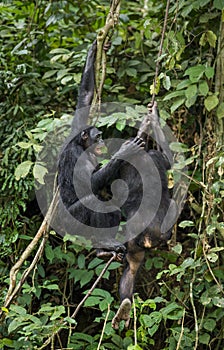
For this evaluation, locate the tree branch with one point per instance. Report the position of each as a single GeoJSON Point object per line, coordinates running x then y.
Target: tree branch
{"type": "Point", "coordinates": [43, 230]}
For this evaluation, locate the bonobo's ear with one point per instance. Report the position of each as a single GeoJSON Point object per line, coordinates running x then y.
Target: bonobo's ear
{"type": "Point", "coordinates": [84, 135]}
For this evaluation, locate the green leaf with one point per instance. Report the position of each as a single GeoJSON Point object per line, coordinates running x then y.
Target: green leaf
{"type": "Point", "coordinates": [58, 312]}
{"type": "Point", "coordinates": [208, 37]}
{"type": "Point", "coordinates": [61, 73]}
{"type": "Point", "coordinates": [81, 261]}
{"type": "Point", "coordinates": [212, 38]}
{"type": "Point", "coordinates": [203, 40]}
{"type": "Point", "coordinates": [172, 311]}
{"type": "Point", "coordinates": [23, 169]}
{"type": "Point", "coordinates": [209, 72]}
{"type": "Point", "coordinates": [86, 277]}
{"type": "Point", "coordinates": [93, 263]}
{"type": "Point", "coordinates": [177, 248]}
{"type": "Point", "coordinates": [49, 74]}
{"type": "Point", "coordinates": [217, 301]}
{"type": "Point", "coordinates": [66, 79]}
{"type": "Point", "coordinates": [70, 320]}
{"type": "Point", "coordinates": [134, 347]}
{"type": "Point", "coordinates": [211, 102]}
{"type": "Point", "coordinates": [178, 147]}
{"type": "Point", "coordinates": [14, 325]}
{"type": "Point", "coordinates": [39, 171]}
{"type": "Point", "coordinates": [183, 84]}
{"type": "Point", "coordinates": [191, 95]}
{"type": "Point", "coordinates": [153, 318]}
{"type": "Point", "coordinates": [195, 73]}
{"type": "Point", "coordinates": [191, 91]}
{"type": "Point", "coordinates": [49, 253]}
{"type": "Point", "coordinates": [166, 82]}
{"type": "Point", "coordinates": [204, 338]}
{"type": "Point", "coordinates": [131, 72]}
{"type": "Point", "coordinates": [220, 111]}
{"type": "Point", "coordinates": [18, 309]}
{"type": "Point", "coordinates": [190, 102]}
{"type": "Point", "coordinates": [209, 324]}
{"type": "Point", "coordinates": [179, 102]}
{"type": "Point", "coordinates": [186, 223]}
{"type": "Point", "coordinates": [59, 51]}
{"type": "Point", "coordinates": [92, 301]}
{"type": "Point", "coordinates": [212, 257]}
{"type": "Point", "coordinates": [120, 124]}
{"type": "Point", "coordinates": [7, 342]}
{"type": "Point", "coordinates": [25, 145]}
{"type": "Point", "coordinates": [104, 303]}
{"type": "Point", "coordinates": [184, 162]}
{"type": "Point", "coordinates": [203, 88]}
{"type": "Point", "coordinates": [50, 286]}
{"type": "Point", "coordinates": [173, 94]}
{"type": "Point", "coordinates": [218, 4]}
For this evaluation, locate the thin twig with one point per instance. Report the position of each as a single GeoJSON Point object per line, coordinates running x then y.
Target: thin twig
{"type": "Point", "coordinates": [27, 271]}
{"type": "Point", "coordinates": [94, 284]}
{"type": "Point", "coordinates": [48, 341]}
{"type": "Point", "coordinates": [135, 320]}
{"type": "Point", "coordinates": [181, 333]}
{"type": "Point", "coordinates": [104, 326]}
{"type": "Point", "coordinates": [160, 50]}
{"type": "Point", "coordinates": [194, 312]}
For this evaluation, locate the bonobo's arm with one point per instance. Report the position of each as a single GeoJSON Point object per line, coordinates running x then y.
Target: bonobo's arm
{"type": "Point", "coordinates": [86, 90]}
{"type": "Point", "coordinates": [109, 172]}
{"type": "Point", "coordinates": [158, 132]}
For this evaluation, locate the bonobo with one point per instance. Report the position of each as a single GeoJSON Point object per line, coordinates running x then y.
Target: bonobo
{"type": "Point", "coordinates": [154, 222]}
{"type": "Point", "coordinates": [83, 184]}
{"type": "Point", "coordinates": [87, 145]}
{"type": "Point", "coordinates": [148, 210]}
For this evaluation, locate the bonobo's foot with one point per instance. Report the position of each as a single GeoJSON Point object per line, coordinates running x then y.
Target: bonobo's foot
{"type": "Point", "coordinates": [123, 313]}
{"type": "Point", "coordinates": [106, 253]}
{"type": "Point", "coordinates": [130, 148]}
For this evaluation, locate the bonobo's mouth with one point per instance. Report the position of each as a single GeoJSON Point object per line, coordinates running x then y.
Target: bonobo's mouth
{"type": "Point", "coordinates": [99, 150]}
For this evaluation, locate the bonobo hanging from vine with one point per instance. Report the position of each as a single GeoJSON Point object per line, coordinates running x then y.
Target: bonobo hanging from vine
{"type": "Point", "coordinates": [91, 196]}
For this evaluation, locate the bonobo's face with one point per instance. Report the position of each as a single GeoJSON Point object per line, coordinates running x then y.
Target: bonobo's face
{"type": "Point", "coordinates": [91, 137]}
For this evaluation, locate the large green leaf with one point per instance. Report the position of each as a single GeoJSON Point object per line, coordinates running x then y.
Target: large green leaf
{"type": "Point", "coordinates": [211, 102]}
{"type": "Point", "coordinates": [23, 169]}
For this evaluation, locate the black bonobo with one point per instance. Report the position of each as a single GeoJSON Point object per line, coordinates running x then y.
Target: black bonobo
{"type": "Point", "coordinates": [82, 185]}
{"type": "Point", "coordinates": [148, 210]}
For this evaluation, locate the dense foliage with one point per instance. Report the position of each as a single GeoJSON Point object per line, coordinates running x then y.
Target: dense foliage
{"type": "Point", "coordinates": [180, 301]}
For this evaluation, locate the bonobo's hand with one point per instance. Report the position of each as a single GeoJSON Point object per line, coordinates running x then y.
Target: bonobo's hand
{"type": "Point", "coordinates": [130, 148]}
{"type": "Point", "coordinates": [153, 112]}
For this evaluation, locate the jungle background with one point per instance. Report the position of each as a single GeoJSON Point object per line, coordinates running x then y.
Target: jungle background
{"type": "Point", "coordinates": [179, 301]}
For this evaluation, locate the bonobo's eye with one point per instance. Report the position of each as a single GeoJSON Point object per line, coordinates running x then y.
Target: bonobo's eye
{"type": "Point", "coordinates": [98, 138]}
{"type": "Point", "coordinates": [95, 134]}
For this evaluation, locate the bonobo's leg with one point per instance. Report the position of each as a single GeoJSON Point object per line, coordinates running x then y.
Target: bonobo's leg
{"type": "Point", "coordinates": [118, 249]}
{"type": "Point", "coordinates": [95, 219]}
{"type": "Point", "coordinates": [135, 256]}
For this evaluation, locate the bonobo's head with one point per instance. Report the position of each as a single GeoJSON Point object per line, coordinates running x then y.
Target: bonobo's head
{"type": "Point", "coordinates": [92, 136]}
